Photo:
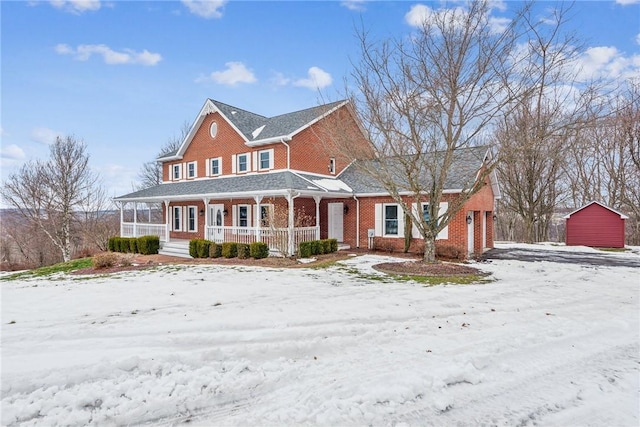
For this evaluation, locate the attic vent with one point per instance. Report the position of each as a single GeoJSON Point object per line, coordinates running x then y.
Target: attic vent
{"type": "Point", "coordinates": [256, 132]}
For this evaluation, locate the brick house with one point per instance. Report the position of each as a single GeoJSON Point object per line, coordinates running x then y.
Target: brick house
{"type": "Point", "coordinates": [239, 176]}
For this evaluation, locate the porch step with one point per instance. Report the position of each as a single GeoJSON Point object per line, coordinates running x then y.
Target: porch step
{"type": "Point", "coordinates": [179, 248]}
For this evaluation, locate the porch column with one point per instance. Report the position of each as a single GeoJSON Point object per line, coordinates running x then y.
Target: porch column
{"type": "Point", "coordinates": [121, 218]}
{"type": "Point", "coordinates": [135, 219]}
{"type": "Point", "coordinates": [291, 242]}
{"type": "Point", "coordinates": [258, 223]}
{"type": "Point", "coordinates": [206, 217]}
{"type": "Point", "coordinates": [168, 220]}
{"type": "Point", "coordinates": [317, 200]}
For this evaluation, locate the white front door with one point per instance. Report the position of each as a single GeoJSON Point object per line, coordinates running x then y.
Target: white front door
{"type": "Point", "coordinates": [216, 220]}
{"type": "Point", "coordinates": [336, 221]}
{"type": "Point", "coordinates": [470, 233]}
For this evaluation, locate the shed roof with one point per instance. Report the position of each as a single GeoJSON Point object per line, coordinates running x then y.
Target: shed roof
{"type": "Point", "coordinates": [622, 216]}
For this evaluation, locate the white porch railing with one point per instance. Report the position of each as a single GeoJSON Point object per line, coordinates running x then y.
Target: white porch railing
{"type": "Point", "coordinates": [131, 229]}
{"type": "Point", "coordinates": [276, 238]}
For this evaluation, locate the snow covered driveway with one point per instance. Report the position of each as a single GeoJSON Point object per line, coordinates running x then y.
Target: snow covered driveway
{"type": "Point", "coordinates": [545, 343]}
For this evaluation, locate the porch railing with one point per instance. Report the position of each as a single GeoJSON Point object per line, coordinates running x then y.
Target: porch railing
{"type": "Point", "coordinates": [276, 238]}
{"type": "Point", "coordinates": [130, 229]}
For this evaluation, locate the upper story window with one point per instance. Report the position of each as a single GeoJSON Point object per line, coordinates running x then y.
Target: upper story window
{"type": "Point", "coordinates": [391, 220]}
{"type": "Point", "coordinates": [332, 165]}
{"type": "Point", "coordinates": [213, 129]}
{"type": "Point", "coordinates": [243, 162]}
{"type": "Point", "coordinates": [191, 170]}
{"type": "Point", "coordinates": [176, 172]}
{"type": "Point", "coordinates": [216, 166]}
{"type": "Point", "coordinates": [265, 159]}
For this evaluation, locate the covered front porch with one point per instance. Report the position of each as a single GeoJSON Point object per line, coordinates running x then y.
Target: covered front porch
{"type": "Point", "coordinates": [282, 221]}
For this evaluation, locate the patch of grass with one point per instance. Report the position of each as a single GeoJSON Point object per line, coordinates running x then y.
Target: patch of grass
{"type": "Point", "coordinates": [319, 265]}
{"type": "Point", "coordinates": [614, 249]}
{"type": "Point", "coordinates": [468, 279]}
{"type": "Point", "coordinates": [63, 267]}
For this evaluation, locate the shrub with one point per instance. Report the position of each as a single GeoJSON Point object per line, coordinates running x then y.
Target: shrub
{"type": "Point", "coordinates": [259, 250]}
{"type": "Point", "coordinates": [215, 250]}
{"type": "Point", "coordinates": [315, 247]}
{"type": "Point", "coordinates": [243, 251]}
{"type": "Point", "coordinates": [333, 245]}
{"type": "Point", "coordinates": [449, 252]}
{"type": "Point", "coordinates": [148, 245]}
{"type": "Point", "coordinates": [326, 246]}
{"type": "Point", "coordinates": [202, 247]}
{"type": "Point", "coordinates": [132, 245]}
{"type": "Point", "coordinates": [193, 249]}
{"type": "Point", "coordinates": [306, 249]}
{"type": "Point", "coordinates": [111, 243]}
{"type": "Point", "coordinates": [229, 249]}
{"type": "Point", "coordinates": [106, 260]}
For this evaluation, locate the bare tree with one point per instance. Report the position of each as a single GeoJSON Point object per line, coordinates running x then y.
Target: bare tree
{"type": "Point", "coordinates": [48, 193]}
{"type": "Point", "coordinates": [423, 99]}
{"type": "Point", "coordinates": [534, 140]}
{"type": "Point", "coordinates": [150, 173]}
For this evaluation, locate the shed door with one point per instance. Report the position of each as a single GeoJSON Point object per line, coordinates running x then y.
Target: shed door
{"type": "Point", "coordinates": [336, 221]}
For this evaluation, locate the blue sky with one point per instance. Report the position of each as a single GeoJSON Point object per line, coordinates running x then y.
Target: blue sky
{"type": "Point", "coordinates": [125, 75]}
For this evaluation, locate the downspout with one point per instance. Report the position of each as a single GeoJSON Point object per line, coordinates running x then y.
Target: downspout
{"type": "Point", "coordinates": [288, 152]}
{"type": "Point", "coordinates": [357, 221]}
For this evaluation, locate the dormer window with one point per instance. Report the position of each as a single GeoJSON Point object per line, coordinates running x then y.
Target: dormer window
{"type": "Point", "coordinates": [177, 169]}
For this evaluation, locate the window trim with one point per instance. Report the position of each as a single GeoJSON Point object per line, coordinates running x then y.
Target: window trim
{"type": "Point", "coordinates": [215, 159]}
{"type": "Point", "coordinates": [177, 218]}
{"type": "Point", "coordinates": [269, 159]}
{"type": "Point", "coordinates": [247, 218]}
{"type": "Point", "coordinates": [195, 170]}
{"type": "Point", "coordinates": [384, 219]}
{"type": "Point", "coordinates": [191, 209]}
{"type": "Point", "coordinates": [247, 163]}
{"type": "Point", "coordinates": [176, 167]}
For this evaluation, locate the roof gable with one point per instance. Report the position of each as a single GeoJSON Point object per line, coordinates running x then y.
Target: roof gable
{"type": "Point", "coordinates": [254, 128]}
{"type": "Point", "coordinates": [622, 216]}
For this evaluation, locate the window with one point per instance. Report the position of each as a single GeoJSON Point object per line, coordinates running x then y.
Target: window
{"type": "Point", "coordinates": [243, 162]}
{"type": "Point", "coordinates": [332, 165]}
{"type": "Point", "coordinates": [425, 212]}
{"type": "Point", "coordinates": [213, 129]}
{"type": "Point", "coordinates": [216, 166]}
{"type": "Point", "coordinates": [243, 216]}
{"type": "Point", "coordinates": [191, 170]}
{"type": "Point", "coordinates": [265, 160]}
{"type": "Point", "coordinates": [176, 172]}
{"type": "Point", "coordinates": [191, 218]}
{"type": "Point", "coordinates": [391, 220]}
{"type": "Point", "coordinates": [177, 218]}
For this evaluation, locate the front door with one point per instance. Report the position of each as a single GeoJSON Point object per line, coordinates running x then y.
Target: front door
{"type": "Point", "coordinates": [336, 221]}
{"type": "Point", "coordinates": [216, 221]}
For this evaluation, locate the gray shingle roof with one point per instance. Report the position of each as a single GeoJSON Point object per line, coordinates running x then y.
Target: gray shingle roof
{"type": "Point", "coordinates": [281, 125]}
{"type": "Point", "coordinates": [465, 166]}
{"type": "Point", "coordinates": [227, 186]}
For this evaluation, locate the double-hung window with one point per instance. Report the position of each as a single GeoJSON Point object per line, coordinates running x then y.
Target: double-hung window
{"type": "Point", "coordinates": [265, 162]}
{"type": "Point", "coordinates": [265, 215]}
{"type": "Point", "coordinates": [391, 220]}
{"type": "Point", "coordinates": [243, 162]}
{"type": "Point", "coordinates": [191, 218]}
{"type": "Point", "coordinates": [216, 166]}
{"type": "Point", "coordinates": [177, 218]}
{"type": "Point", "coordinates": [243, 216]}
{"type": "Point", "coordinates": [425, 213]}
{"type": "Point", "coordinates": [176, 169]}
{"type": "Point", "coordinates": [191, 170]}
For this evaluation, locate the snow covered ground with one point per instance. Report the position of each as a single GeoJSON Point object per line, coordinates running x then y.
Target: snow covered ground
{"type": "Point", "coordinates": [543, 344]}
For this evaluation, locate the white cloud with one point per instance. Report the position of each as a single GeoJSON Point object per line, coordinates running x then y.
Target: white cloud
{"type": "Point", "coordinates": [609, 63]}
{"type": "Point", "coordinates": [499, 25]}
{"type": "Point", "coordinates": [12, 152]}
{"type": "Point", "coordinates": [627, 2]}
{"type": "Point", "coordinates": [205, 8]}
{"type": "Point", "coordinates": [638, 38]}
{"type": "Point", "coordinates": [354, 4]}
{"type": "Point", "coordinates": [279, 79]}
{"type": "Point", "coordinates": [76, 6]}
{"type": "Point", "coordinates": [127, 56]}
{"type": "Point", "coordinates": [235, 73]}
{"type": "Point", "coordinates": [419, 14]}
{"type": "Point", "coordinates": [317, 79]}
{"type": "Point", "coordinates": [44, 135]}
